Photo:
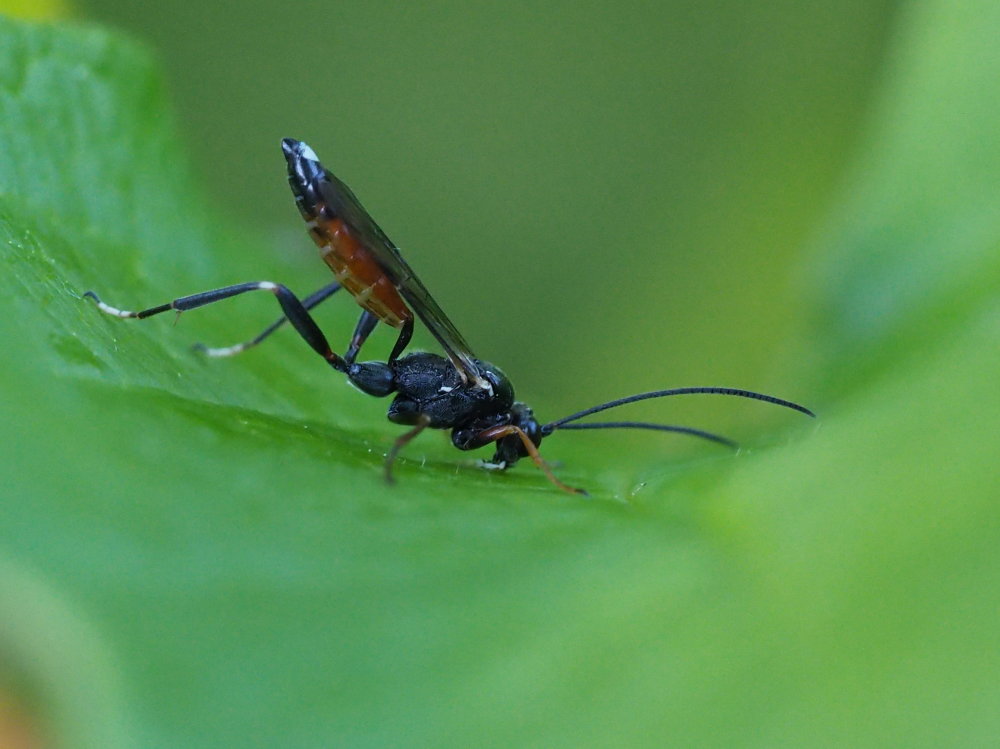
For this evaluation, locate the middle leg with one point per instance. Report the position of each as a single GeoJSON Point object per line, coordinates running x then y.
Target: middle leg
{"type": "Point", "coordinates": [366, 324]}
{"type": "Point", "coordinates": [423, 421]}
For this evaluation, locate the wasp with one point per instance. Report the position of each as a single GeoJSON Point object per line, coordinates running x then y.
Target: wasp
{"type": "Point", "coordinates": [458, 391]}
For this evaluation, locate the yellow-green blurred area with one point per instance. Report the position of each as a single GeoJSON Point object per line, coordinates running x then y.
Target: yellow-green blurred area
{"type": "Point", "coordinates": [35, 9]}
{"type": "Point", "coordinates": [801, 199]}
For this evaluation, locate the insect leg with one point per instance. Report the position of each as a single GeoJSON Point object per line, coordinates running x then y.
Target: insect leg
{"type": "Point", "coordinates": [366, 324]}
{"type": "Point", "coordinates": [494, 434]}
{"type": "Point", "coordinates": [422, 423]}
{"type": "Point", "coordinates": [294, 310]}
{"type": "Point", "coordinates": [309, 302]}
{"type": "Point", "coordinates": [404, 338]}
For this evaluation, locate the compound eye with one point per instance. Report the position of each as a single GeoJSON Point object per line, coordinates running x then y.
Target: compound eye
{"type": "Point", "coordinates": [534, 431]}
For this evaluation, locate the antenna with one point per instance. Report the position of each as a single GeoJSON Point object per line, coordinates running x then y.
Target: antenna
{"type": "Point", "coordinates": [645, 425]}
{"type": "Point", "coordinates": [560, 423]}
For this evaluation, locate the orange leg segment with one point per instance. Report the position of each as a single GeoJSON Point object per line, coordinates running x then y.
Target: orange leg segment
{"type": "Point", "coordinates": [499, 432]}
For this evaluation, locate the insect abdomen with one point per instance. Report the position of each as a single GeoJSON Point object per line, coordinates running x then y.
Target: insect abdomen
{"type": "Point", "coordinates": [358, 272]}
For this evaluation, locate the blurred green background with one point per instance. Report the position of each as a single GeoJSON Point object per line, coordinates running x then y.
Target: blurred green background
{"type": "Point", "coordinates": [606, 199]}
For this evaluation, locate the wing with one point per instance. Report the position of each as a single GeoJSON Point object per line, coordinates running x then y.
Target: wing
{"type": "Point", "coordinates": [341, 201]}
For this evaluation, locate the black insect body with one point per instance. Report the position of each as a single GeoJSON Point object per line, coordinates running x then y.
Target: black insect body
{"type": "Point", "coordinates": [469, 396]}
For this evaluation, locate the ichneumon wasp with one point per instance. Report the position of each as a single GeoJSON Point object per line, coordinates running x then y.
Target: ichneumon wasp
{"type": "Point", "coordinates": [471, 397]}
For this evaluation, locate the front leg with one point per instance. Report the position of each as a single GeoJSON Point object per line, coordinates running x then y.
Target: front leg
{"type": "Point", "coordinates": [470, 439]}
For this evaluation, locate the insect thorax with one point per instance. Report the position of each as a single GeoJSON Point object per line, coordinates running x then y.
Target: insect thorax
{"type": "Point", "coordinates": [429, 384]}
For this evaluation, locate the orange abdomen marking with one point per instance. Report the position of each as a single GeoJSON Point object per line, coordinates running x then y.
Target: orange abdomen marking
{"type": "Point", "coordinates": [358, 272]}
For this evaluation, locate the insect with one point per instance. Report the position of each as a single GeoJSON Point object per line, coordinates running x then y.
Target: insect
{"type": "Point", "coordinates": [471, 397]}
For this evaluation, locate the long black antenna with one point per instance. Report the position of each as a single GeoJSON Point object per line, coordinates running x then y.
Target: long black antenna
{"type": "Point", "coordinates": [645, 425]}
{"type": "Point", "coordinates": [553, 425]}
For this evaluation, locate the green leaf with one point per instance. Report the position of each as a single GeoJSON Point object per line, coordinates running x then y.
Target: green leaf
{"type": "Point", "coordinates": [204, 554]}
